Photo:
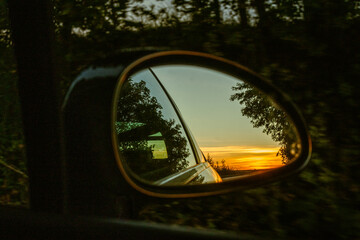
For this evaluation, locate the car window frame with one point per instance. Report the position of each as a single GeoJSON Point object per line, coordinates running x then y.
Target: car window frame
{"type": "Point", "coordinates": [189, 136]}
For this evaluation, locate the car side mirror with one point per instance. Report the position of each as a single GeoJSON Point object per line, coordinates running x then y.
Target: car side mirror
{"type": "Point", "coordinates": [193, 124]}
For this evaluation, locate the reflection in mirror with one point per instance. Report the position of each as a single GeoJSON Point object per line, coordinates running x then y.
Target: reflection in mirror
{"type": "Point", "coordinates": [236, 131]}
{"type": "Point", "coordinates": [151, 138]}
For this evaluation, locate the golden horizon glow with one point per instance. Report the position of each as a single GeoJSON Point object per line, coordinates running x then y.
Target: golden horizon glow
{"type": "Point", "coordinates": [245, 157]}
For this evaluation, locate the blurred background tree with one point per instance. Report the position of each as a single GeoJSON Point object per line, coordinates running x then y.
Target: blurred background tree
{"type": "Point", "coordinates": [13, 177]}
{"type": "Point", "coordinates": [310, 49]}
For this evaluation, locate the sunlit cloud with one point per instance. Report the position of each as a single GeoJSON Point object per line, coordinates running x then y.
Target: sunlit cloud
{"type": "Point", "coordinates": [245, 157]}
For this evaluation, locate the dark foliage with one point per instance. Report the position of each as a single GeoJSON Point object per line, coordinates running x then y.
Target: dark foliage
{"type": "Point", "coordinates": [310, 49]}
{"type": "Point", "coordinates": [136, 106]}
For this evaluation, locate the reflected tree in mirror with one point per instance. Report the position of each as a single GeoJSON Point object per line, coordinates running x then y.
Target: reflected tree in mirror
{"type": "Point", "coordinates": [263, 113]}
{"type": "Point", "coordinates": [151, 140]}
{"type": "Point", "coordinates": [240, 131]}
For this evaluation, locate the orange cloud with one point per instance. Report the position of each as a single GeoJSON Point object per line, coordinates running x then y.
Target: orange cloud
{"type": "Point", "coordinates": [245, 157]}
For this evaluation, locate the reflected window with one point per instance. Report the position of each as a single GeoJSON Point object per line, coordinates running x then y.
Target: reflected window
{"type": "Point", "coordinates": [151, 138]}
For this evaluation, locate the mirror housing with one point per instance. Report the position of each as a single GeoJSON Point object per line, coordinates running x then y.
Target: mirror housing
{"type": "Point", "coordinates": [230, 68]}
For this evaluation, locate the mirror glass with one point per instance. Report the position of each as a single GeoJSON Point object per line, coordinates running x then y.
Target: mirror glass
{"type": "Point", "coordinates": [183, 124]}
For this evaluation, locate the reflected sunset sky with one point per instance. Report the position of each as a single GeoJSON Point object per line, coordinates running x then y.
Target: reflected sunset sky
{"type": "Point", "coordinates": [245, 157]}
{"type": "Point", "coordinates": [220, 129]}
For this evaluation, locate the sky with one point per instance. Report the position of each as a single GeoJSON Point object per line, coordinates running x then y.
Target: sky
{"type": "Point", "coordinates": [203, 98]}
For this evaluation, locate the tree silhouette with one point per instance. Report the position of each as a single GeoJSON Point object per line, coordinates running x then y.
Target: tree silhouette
{"type": "Point", "coordinates": [210, 160]}
{"type": "Point", "coordinates": [263, 113]}
{"type": "Point", "coordinates": [140, 121]}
